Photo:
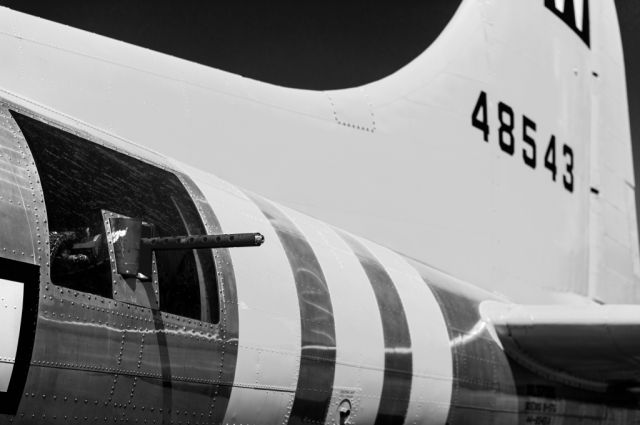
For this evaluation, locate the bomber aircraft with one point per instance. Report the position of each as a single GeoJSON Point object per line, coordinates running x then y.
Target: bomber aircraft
{"type": "Point", "coordinates": [495, 281]}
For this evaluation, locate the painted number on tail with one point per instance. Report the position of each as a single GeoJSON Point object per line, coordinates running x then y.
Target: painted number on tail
{"type": "Point", "coordinates": [516, 134]}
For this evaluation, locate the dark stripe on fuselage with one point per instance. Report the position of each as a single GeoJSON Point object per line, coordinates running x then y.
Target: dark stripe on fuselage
{"type": "Point", "coordinates": [398, 361]}
{"type": "Point", "coordinates": [228, 304]}
{"type": "Point", "coordinates": [318, 355]}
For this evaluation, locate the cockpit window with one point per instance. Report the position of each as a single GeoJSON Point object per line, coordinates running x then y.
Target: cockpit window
{"type": "Point", "coordinates": [80, 180]}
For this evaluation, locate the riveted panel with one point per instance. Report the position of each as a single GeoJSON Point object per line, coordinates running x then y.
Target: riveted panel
{"type": "Point", "coordinates": [23, 233]}
{"type": "Point", "coordinates": [171, 357]}
{"type": "Point", "coordinates": [222, 299]}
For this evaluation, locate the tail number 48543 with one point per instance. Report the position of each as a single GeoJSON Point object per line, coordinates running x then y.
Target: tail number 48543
{"type": "Point", "coordinates": [507, 135]}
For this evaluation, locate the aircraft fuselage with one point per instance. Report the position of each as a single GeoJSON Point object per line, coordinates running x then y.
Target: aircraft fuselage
{"type": "Point", "coordinates": [315, 326]}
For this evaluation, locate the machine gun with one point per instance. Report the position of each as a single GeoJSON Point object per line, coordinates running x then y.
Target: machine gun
{"type": "Point", "coordinates": [134, 254]}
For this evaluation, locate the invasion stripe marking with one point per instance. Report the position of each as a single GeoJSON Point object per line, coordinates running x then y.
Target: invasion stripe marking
{"type": "Point", "coordinates": [318, 353]}
{"type": "Point", "coordinates": [398, 361]}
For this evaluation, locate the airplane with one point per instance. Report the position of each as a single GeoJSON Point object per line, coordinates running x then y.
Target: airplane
{"type": "Point", "coordinates": [496, 167]}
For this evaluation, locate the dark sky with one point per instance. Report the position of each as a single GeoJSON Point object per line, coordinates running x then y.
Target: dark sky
{"type": "Point", "coordinates": [306, 44]}
{"type": "Point", "coordinates": [309, 44]}
{"type": "Point", "coordinates": [629, 18]}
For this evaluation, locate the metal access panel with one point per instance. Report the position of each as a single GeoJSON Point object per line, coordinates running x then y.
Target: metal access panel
{"type": "Point", "coordinates": [22, 235]}
{"type": "Point", "coordinates": [130, 289]}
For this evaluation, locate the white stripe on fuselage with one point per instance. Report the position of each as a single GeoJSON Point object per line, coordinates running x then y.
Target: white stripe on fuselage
{"type": "Point", "coordinates": [359, 339]}
{"type": "Point", "coordinates": [432, 361]}
{"type": "Point", "coordinates": [269, 316]}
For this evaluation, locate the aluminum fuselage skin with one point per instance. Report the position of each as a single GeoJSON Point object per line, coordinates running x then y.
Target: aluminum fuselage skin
{"type": "Point", "coordinates": [399, 341]}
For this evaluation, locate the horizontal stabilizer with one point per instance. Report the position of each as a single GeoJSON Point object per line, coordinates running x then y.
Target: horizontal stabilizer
{"type": "Point", "coordinates": [589, 346]}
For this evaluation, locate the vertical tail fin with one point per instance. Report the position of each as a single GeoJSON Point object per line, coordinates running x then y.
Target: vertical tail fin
{"type": "Point", "coordinates": [541, 86]}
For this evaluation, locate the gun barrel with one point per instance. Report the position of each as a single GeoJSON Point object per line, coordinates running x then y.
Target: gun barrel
{"type": "Point", "coordinates": [234, 240]}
